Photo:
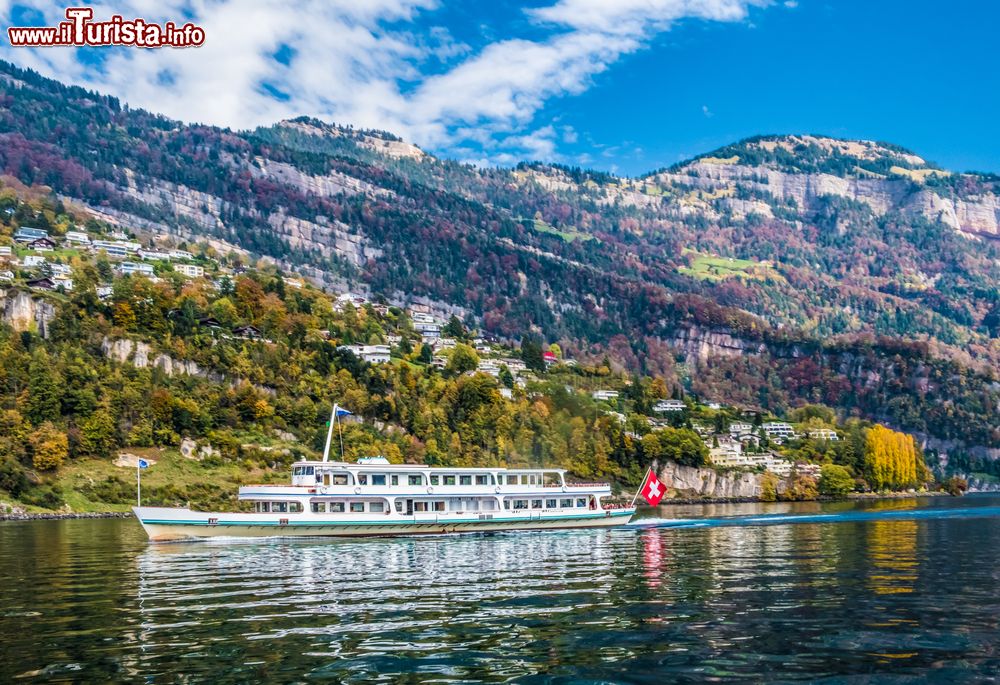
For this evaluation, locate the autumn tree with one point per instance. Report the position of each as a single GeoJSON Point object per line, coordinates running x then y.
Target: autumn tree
{"type": "Point", "coordinates": [49, 447]}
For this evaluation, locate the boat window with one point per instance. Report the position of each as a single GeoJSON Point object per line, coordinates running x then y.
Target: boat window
{"type": "Point", "coordinates": [533, 479]}
{"type": "Point", "coordinates": [482, 480]}
{"type": "Point", "coordinates": [520, 504]}
{"type": "Point", "coordinates": [536, 504]}
{"type": "Point", "coordinates": [581, 501]}
{"type": "Point", "coordinates": [319, 507]}
{"type": "Point", "coordinates": [420, 506]}
{"type": "Point", "coordinates": [506, 504]}
{"type": "Point", "coordinates": [512, 480]}
{"type": "Point", "coordinates": [263, 507]}
{"type": "Point", "coordinates": [297, 471]}
{"type": "Point", "coordinates": [357, 507]}
{"type": "Point", "coordinates": [565, 503]}
{"type": "Point", "coordinates": [550, 504]}
{"type": "Point", "coordinates": [376, 507]}
{"type": "Point", "coordinates": [319, 476]}
{"type": "Point", "coordinates": [465, 480]}
{"type": "Point", "coordinates": [295, 507]}
{"type": "Point", "coordinates": [309, 470]}
{"type": "Point", "coordinates": [399, 506]}
{"type": "Point", "coordinates": [378, 479]}
{"type": "Point", "coordinates": [279, 507]}
{"type": "Point", "coordinates": [449, 480]}
{"type": "Point", "coordinates": [435, 480]}
{"type": "Point", "coordinates": [439, 506]}
{"type": "Point", "coordinates": [340, 479]}
{"type": "Point", "coordinates": [336, 507]}
{"type": "Point", "coordinates": [416, 480]}
{"type": "Point", "coordinates": [394, 479]}
{"type": "Point", "coordinates": [362, 479]}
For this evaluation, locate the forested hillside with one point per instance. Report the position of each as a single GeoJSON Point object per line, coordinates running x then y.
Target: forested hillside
{"type": "Point", "coordinates": [772, 273]}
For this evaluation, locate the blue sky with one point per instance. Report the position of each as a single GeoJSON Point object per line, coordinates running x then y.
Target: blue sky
{"type": "Point", "coordinates": [621, 85]}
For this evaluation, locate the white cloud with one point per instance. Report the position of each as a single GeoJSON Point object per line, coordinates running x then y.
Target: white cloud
{"type": "Point", "coordinates": [364, 62]}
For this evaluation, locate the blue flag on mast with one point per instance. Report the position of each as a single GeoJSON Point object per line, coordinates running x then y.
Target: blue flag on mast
{"type": "Point", "coordinates": [340, 411]}
{"type": "Point", "coordinates": [143, 464]}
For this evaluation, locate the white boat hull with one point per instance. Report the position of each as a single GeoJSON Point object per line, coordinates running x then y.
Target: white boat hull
{"type": "Point", "coordinates": [165, 524]}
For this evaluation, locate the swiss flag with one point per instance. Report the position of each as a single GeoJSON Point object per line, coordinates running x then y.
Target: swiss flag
{"type": "Point", "coordinates": [652, 489]}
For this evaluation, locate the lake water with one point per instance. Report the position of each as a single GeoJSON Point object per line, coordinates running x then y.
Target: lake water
{"type": "Point", "coordinates": [890, 591]}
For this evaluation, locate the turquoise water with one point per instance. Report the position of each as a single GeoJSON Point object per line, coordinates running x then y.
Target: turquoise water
{"type": "Point", "coordinates": [892, 591]}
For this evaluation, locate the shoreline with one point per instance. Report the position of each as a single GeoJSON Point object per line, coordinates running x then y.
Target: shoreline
{"type": "Point", "coordinates": [55, 515]}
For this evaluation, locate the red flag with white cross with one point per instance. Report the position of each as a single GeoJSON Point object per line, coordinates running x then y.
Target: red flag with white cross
{"type": "Point", "coordinates": [652, 489]}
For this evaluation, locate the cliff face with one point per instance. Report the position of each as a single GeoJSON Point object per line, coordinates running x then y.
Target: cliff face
{"type": "Point", "coordinates": [973, 214]}
{"type": "Point", "coordinates": [23, 312]}
{"type": "Point", "coordinates": [689, 481]}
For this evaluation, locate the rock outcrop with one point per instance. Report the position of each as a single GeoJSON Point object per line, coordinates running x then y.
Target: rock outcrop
{"type": "Point", "coordinates": [690, 481]}
{"type": "Point", "coordinates": [24, 312]}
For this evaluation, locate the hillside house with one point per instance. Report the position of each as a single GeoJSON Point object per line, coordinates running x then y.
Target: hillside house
{"type": "Point", "coordinates": [77, 238]}
{"type": "Point", "coordinates": [605, 395]}
{"type": "Point", "coordinates": [33, 261]}
{"type": "Point", "coordinates": [823, 434]}
{"type": "Point", "coordinates": [42, 245]}
{"type": "Point", "coordinates": [190, 270]}
{"type": "Point", "coordinates": [128, 268]}
{"type": "Point", "coordinates": [27, 235]}
{"type": "Point", "coordinates": [666, 406]}
{"type": "Point", "coordinates": [6, 276]}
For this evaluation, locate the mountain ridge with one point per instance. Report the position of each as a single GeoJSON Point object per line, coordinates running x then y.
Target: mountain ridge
{"type": "Point", "coordinates": [605, 265]}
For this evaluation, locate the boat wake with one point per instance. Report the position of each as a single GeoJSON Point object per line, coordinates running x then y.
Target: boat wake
{"type": "Point", "coordinates": [844, 517]}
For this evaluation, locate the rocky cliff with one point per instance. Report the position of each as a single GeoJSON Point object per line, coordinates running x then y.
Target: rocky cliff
{"type": "Point", "coordinates": [24, 312]}
{"type": "Point", "coordinates": [689, 481]}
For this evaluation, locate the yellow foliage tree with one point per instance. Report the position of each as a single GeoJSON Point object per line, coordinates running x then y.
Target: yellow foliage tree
{"type": "Point", "coordinates": [892, 459]}
{"type": "Point", "coordinates": [49, 447]}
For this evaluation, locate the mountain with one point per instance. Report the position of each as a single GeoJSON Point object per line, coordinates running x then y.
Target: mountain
{"type": "Point", "coordinates": [772, 272]}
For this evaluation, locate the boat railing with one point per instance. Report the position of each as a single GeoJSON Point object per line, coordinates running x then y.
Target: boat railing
{"type": "Point", "coordinates": [588, 485]}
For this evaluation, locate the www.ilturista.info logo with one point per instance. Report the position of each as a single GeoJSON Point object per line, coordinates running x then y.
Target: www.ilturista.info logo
{"type": "Point", "coordinates": [79, 30]}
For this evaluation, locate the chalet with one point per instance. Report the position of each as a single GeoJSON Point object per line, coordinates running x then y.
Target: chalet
{"type": "Point", "coordinates": [248, 333]}
{"type": "Point", "coordinates": [605, 395]}
{"type": "Point", "coordinates": [666, 406]}
{"type": "Point", "coordinates": [42, 245]}
{"type": "Point", "coordinates": [32, 261]}
{"type": "Point", "coordinates": [77, 237]}
{"type": "Point", "coordinates": [27, 235]}
{"type": "Point", "coordinates": [209, 322]}
{"type": "Point", "coordinates": [45, 283]}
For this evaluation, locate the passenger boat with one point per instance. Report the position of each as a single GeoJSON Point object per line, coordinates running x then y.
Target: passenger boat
{"type": "Point", "coordinates": [375, 498]}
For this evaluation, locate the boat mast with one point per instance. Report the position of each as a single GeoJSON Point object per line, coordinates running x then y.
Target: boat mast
{"type": "Point", "coordinates": [329, 435]}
